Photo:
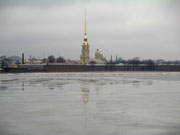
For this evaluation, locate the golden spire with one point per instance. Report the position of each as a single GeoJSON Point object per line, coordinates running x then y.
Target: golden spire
{"type": "Point", "coordinates": [85, 21]}
{"type": "Point", "coordinates": [85, 33]}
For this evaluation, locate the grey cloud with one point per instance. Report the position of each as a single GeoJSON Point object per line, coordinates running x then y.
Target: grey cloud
{"type": "Point", "coordinates": [147, 29]}
{"type": "Point", "coordinates": [35, 2]}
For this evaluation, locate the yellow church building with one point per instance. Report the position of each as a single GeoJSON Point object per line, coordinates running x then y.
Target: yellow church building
{"type": "Point", "coordinates": [84, 57]}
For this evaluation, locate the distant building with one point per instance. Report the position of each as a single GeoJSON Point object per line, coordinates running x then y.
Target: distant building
{"type": "Point", "coordinates": [99, 55]}
{"type": "Point", "coordinates": [84, 57]}
{"type": "Point", "coordinates": [99, 59]}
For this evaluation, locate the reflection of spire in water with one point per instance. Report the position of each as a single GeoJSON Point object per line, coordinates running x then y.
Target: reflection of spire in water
{"type": "Point", "coordinates": [22, 85]}
{"type": "Point", "coordinates": [85, 96]}
{"type": "Point", "coordinates": [85, 100]}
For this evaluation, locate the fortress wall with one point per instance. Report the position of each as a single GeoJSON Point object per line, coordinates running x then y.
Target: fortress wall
{"type": "Point", "coordinates": [91, 68]}
{"type": "Point", "coordinates": [83, 68]}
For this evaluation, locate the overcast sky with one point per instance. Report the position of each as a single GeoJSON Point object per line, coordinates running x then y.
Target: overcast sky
{"type": "Point", "coordinates": [127, 28]}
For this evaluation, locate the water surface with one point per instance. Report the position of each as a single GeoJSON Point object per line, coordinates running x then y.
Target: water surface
{"type": "Point", "coordinates": [115, 103]}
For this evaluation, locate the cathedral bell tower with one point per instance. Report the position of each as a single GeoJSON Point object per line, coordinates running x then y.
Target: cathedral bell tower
{"type": "Point", "coordinates": [84, 57]}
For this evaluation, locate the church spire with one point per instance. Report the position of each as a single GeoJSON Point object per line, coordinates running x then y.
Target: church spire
{"type": "Point", "coordinates": [85, 31]}
{"type": "Point", "coordinates": [85, 22]}
{"type": "Point", "coordinates": [84, 57]}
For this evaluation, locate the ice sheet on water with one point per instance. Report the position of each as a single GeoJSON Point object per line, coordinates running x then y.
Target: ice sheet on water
{"type": "Point", "coordinates": [90, 103]}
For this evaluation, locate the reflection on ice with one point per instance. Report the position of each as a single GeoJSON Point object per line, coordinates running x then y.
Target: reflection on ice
{"type": "Point", "coordinates": [85, 93]}
{"type": "Point", "coordinates": [90, 103]}
{"type": "Point", "coordinates": [22, 85]}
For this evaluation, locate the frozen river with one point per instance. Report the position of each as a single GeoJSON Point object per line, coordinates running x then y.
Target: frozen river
{"type": "Point", "coordinates": [116, 103]}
